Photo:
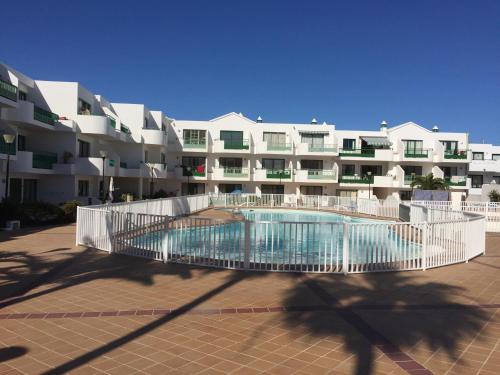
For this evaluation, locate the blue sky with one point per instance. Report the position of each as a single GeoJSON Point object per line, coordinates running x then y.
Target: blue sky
{"type": "Point", "coordinates": [351, 63]}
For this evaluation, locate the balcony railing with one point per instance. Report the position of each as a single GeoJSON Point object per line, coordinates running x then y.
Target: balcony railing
{"type": "Point", "coordinates": [418, 153]}
{"type": "Point", "coordinates": [455, 154]}
{"type": "Point", "coordinates": [7, 148]}
{"type": "Point", "coordinates": [123, 165]}
{"type": "Point", "coordinates": [279, 146]}
{"type": "Point", "coordinates": [279, 173]}
{"type": "Point", "coordinates": [348, 179]}
{"type": "Point", "coordinates": [456, 180]}
{"type": "Point", "coordinates": [358, 152]}
{"type": "Point", "coordinates": [320, 174]}
{"type": "Point", "coordinates": [43, 159]}
{"type": "Point", "coordinates": [8, 90]}
{"type": "Point", "coordinates": [236, 145]}
{"type": "Point", "coordinates": [322, 148]}
{"type": "Point", "coordinates": [112, 122]}
{"type": "Point", "coordinates": [409, 179]}
{"type": "Point", "coordinates": [235, 172]}
{"type": "Point", "coordinates": [124, 129]}
{"type": "Point", "coordinates": [195, 143]}
{"type": "Point", "coordinates": [192, 171]}
{"type": "Point", "coordinates": [44, 116]}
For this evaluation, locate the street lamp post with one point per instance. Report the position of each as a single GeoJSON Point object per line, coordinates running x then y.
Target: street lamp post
{"type": "Point", "coordinates": [104, 155]}
{"type": "Point", "coordinates": [369, 173]}
{"type": "Point", "coordinates": [188, 170]}
{"type": "Point", "coordinates": [8, 139]}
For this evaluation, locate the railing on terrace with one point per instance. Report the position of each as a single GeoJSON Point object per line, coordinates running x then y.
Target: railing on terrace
{"type": "Point", "coordinates": [417, 153]}
{"type": "Point", "coordinates": [347, 179]}
{"type": "Point", "coordinates": [112, 122]}
{"type": "Point", "coordinates": [193, 172]}
{"type": "Point", "coordinates": [456, 180]}
{"type": "Point", "coordinates": [322, 148]}
{"type": "Point", "coordinates": [455, 154]}
{"type": "Point", "coordinates": [194, 143]}
{"type": "Point", "coordinates": [446, 237]}
{"type": "Point", "coordinates": [321, 174]}
{"type": "Point", "coordinates": [124, 129]}
{"type": "Point", "coordinates": [45, 116]}
{"type": "Point", "coordinates": [283, 174]}
{"type": "Point", "coordinates": [235, 172]}
{"type": "Point", "coordinates": [7, 148]}
{"type": "Point", "coordinates": [44, 159]}
{"type": "Point", "coordinates": [357, 152]}
{"type": "Point", "coordinates": [236, 145]}
{"type": "Point", "coordinates": [8, 90]}
{"type": "Point", "coordinates": [123, 165]}
{"type": "Point", "coordinates": [279, 146]}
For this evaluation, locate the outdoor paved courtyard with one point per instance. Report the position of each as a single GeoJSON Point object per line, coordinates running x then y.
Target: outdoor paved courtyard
{"type": "Point", "coordinates": [100, 314]}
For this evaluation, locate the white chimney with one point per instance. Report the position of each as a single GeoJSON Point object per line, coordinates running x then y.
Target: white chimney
{"type": "Point", "coordinates": [314, 121]}
{"type": "Point", "coordinates": [435, 129]}
{"type": "Point", "coordinates": [383, 125]}
{"type": "Point", "coordinates": [259, 119]}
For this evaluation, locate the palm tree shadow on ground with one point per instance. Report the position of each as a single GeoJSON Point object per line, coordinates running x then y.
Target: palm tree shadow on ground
{"type": "Point", "coordinates": [384, 310]}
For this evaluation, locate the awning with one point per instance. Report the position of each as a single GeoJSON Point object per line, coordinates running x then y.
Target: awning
{"type": "Point", "coordinates": [314, 132]}
{"type": "Point", "coordinates": [377, 141]}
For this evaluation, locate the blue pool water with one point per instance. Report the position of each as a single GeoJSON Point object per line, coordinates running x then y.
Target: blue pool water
{"type": "Point", "coordinates": [282, 239]}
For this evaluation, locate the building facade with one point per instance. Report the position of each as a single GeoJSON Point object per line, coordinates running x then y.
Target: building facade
{"type": "Point", "coordinates": [484, 170]}
{"type": "Point", "coordinates": [66, 137]}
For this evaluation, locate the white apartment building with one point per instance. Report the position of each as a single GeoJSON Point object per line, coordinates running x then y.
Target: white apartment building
{"type": "Point", "coordinates": [484, 169]}
{"type": "Point", "coordinates": [62, 131]}
{"type": "Point", "coordinates": [233, 153]}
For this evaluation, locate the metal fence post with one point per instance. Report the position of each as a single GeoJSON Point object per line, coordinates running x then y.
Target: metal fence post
{"type": "Point", "coordinates": [246, 261]}
{"type": "Point", "coordinates": [164, 247]}
{"type": "Point", "coordinates": [345, 249]}
{"type": "Point", "coordinates": [424, 246]}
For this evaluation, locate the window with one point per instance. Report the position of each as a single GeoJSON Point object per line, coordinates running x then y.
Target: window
{"type": "Point", "coordinates": [146, 156]}
{"type": "Point", "coordinates": [376, 170]}
{"type": "Point", "coordinates": [478, 156]}
{"type": "Point", "coordinates": [495, 157]}
{"type": "Point", "coordinates": [194, 136]}
{"type": "Point", "coordinates": [21, 142]}
{"type": "Point", "coordinates": [348, 169]}
{"type": "Point", "coordinates": [84, 108]}
{"type": "Point", "coordinates": [410, 169]}
{"type": "Point", "coordinates": [476, 181]}
{"type": "Point", "coordinates": [272, 189]}
{"type": "Point", "coordinates": [145, 122]}
{"type": "Point", "coordinates": [276, 164]}
{"type": "Point", "coordinates": [311, 164]}
{"type": "Point", "coordinates": [313, 139]}
{"type": "Point", "coordinates": [23, 95]}
{"type": "Point", "coordinates": [30, 193]}
{"type": "Point", "coordinates": [231, 162]}
{"type": "Point", "coordinates": [450, 171]}
{"type": "Point", "coordinates": [83, 188]}
{"type": "Point", "coordinates": [229, 188]}
{"type": "Point", "coordinates": [311, 190]}
{"type": "Point", "coordinates": [405, 195]}
{"type": "Point", "coordinates": [193, 161]}
{"type": "Point", "coordinates": [83, 149]}
{"type": "Point", "coordinates": [349, 144]}
{"type": "Point", "coordinates": [450, 146]}
{"type": "Point", "coordinates": [231, 136]}
{"type": "Point", "coordinates": [413, 147]}
{"type": "Point", "coordinates": [275, 138]}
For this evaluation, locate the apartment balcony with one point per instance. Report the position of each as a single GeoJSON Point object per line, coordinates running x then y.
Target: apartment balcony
{"type": "Point", "coordinates": [92, 166]}
{"type": "Point", "coordinates": [418, 155]}
{"type": "Point", "coordinates": [41, 162]}
{"type": "Point", "coordinates": [384, 181]}
{"type": "Point", "coordinates": [273, 148]}
{"type": "Point", "coordinates": [460, 156]}
{"type": "Point", "coordinates": [102, 125]}
{"type": "Point", "coordinates": [231, 147]}
{"type": "Point", "coordinates": [194, 145]}
{"type": "Point", "coordinates": [458, 182]}
{"type": "Point", "coordinates": [272, 175]}
{"type": "Point", "coordinates": [127, 170]}
{"type": "Point", "coordinates": [157, 170]}
{"type": "Point", "coordinates": [355, 179]}
{"type": "Point", "coordinates": [8, 94]}
{"type": "Point", "coordinates": [316, 150]}
{"type": "Point", "coordinates": [27, 113]}
{"type": "Point", "coordinates": [408, 179]}
{"type": "Point", "coordinates": [154, 137]}
{"type": "Point", "coordinates": [231, 174]}
{"type": "Point", "coordinates": [321, 176]}
{"type": "Point", "coordinates": [195, 174]}
{"type": "Point", "coordinates": [491, 166]}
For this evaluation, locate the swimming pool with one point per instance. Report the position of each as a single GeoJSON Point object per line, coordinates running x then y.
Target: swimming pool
{"type": "Point", "coordinates": [276, 239]}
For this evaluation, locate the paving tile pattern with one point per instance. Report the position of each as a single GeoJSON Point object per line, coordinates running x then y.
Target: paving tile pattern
{"type": "Point", "coordinates": [118, 315]}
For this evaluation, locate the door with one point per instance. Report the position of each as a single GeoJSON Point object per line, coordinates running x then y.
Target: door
{"type": "Point", "coordinates": [15, 189]}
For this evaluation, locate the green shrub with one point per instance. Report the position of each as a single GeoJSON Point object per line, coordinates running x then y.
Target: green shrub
{"type": "Point", "coordinates": [70, 208]}
{"type": "Point", "coordinates": [494, 196]}
{"type": "Point", "coordinates": [160, 194]}
{"type": "Point", "coordinates": [40, 213]}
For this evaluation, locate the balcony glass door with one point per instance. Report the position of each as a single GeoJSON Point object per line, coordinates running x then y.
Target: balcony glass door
{"type": "Point", "coordinates": [450, 147]}
{"type": "Point", "coordinates": [273, 164]}
{"type": "Point", "coordinates": [413, 147]}
{"type": "Point", "coordinates": [314, 140]}
{"type": "Point", "coordinates": [195, 137]}
{"type": "Point", "coordinates": [311, 164]}
{"type": "Point", "coordinates": [275, 138]}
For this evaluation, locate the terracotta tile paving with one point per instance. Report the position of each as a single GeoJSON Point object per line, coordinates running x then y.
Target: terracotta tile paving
{"type": "Point", "coordinates": [105, 314]}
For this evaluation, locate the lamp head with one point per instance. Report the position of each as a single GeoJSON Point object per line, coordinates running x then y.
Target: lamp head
{"type": "Point", "coordinates": [9, 138]}
{"type": "Point", "coordinates": [103, 153]}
